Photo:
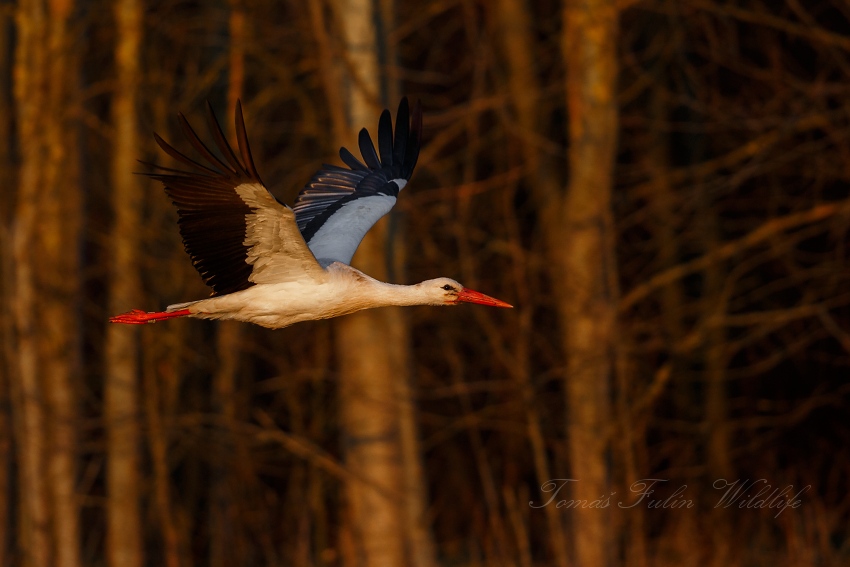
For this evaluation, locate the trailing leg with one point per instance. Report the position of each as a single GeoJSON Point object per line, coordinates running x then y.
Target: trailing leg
{"type": "Point", "coordinates": [138, 317]}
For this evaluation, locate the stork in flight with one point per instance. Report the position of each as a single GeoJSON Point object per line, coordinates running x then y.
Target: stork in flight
{"type": "Point", "coordinates": [273, 265]}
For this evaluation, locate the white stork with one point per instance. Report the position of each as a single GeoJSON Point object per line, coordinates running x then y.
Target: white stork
{"type": "Point", "coordinates": [273, 265]}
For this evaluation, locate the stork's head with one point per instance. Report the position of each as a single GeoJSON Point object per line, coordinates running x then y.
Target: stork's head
{"type": "Point", "coordinates": [446, 291]}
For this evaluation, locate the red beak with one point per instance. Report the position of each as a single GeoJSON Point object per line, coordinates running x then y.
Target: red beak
{"type": "Point", "coordinates": [470, 296]}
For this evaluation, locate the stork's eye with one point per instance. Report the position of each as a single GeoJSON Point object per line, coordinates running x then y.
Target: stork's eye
{"type": "Point", "coordinates": [447, 287]}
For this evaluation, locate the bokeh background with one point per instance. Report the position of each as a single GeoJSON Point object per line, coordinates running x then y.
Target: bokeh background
{"type": "Point", "coordinates": [660, 187]}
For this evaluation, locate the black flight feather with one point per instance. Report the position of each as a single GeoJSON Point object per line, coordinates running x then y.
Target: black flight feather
{"type": "Point", "coordinates": [333, 186]}
{"type": "Point", "coordinates": [212, 215]}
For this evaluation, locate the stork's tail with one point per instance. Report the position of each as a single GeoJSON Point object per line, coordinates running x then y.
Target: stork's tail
{"type": "Point", "coordinates": [138, 317]}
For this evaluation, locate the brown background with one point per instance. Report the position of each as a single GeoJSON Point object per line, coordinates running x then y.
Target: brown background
{"type": "Point", "coordinates": [659, 187]}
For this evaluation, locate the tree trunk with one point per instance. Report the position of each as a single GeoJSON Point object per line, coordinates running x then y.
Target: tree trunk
{"type": "Point", "coordinates": [516, 34]}
{"type": "Point", "coordinates": [226, 542]}
{"type": "Point", "coordinates": [587, 265]}
{"type": "Point", "coordinates": [30, 91]}
{"type": "Point", "coordinates": [59, 285]}
{"type": "Point", "coordinates": [121, 403]}
{"type": "Point", "coordinates": [384, 521]}
{"type": "Point", "coordinates": [8, 358]}
{"type": "Point", "coordinates": [718, 458]}
{"type": "Point", "coordinates": [158, 445]}
{"type": "Point", "coordinates": [47, 231]}
{"type": "Point", "coordinates": [421, 548]}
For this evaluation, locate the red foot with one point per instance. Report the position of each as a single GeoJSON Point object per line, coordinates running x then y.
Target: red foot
{"type": "Point", "coordinates": [138, 317]}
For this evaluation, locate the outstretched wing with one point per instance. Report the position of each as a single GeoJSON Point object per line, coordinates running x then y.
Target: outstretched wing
{"type": "Point", "coordinates": [235, 231]}
{"type": "Point", "coordinates": [338, 206]}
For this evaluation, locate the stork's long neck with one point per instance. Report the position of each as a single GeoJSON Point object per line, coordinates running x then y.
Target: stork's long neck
{"type": "Point", "coordinates": [385, 294]}
{"type": "Point", "coordinates": [373, 293]}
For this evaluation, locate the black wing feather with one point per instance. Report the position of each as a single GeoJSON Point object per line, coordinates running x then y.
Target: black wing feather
{"type": "Point", "coordinates": [367, 150]}
{"type": "Point", "coordinates": [415, 140]}
{"type": "Point", "coordinates": [211, 213]}
{"type": "Point", "coordinates": [200, 147]}
{"type": "Point", "coordinates": [333, 186]}
{"type": "Point", "coordinates": [179, 157]}
{"type": "Point", "coordinates": [221, 141]}
{"type": "Point", "coordinates": [385, 139]}
{"type": "Point", "coordinates": [348, 158]}
{"type": "Point", "coordinates": [244, 148]}
{"type": "Point", "coordinates": [402, 132]}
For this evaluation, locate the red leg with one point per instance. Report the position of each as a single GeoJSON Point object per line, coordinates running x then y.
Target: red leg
{"type": "Point", "coordinates": [138, 317]}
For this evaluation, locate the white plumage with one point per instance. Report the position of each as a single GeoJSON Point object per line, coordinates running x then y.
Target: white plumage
{"type": "Point", "coordinates": [273, 265]}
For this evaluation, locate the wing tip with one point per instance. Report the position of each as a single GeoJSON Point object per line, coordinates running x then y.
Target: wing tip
{"type": "Point", "coordinates": [397, 149]}
{"type": "Point", "coordinates": [414, 142]}
{"type": "Point", "coordinates": [231, 168]}
{"type": "Point", "coordinates": [244, 146]}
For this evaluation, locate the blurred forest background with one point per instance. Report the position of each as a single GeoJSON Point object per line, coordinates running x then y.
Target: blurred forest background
{"type": "Point", "coordinates": [660, 187]}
